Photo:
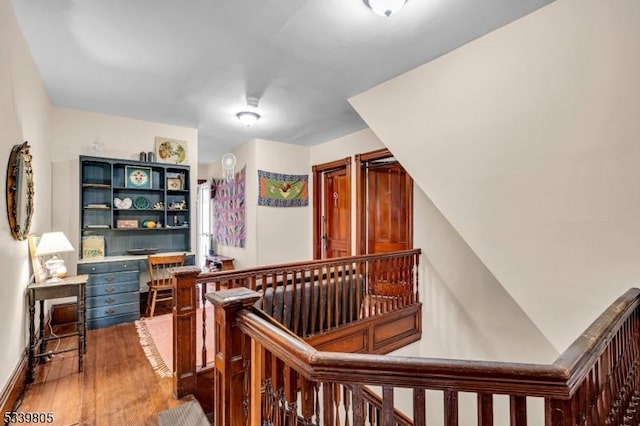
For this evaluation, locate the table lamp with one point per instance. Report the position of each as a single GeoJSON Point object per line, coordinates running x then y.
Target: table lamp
{"type": "Point", "coordinates": [52, 243]}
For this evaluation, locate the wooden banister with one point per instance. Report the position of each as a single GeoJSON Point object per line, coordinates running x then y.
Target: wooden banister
{"type": "Point", "coordinates": [595, 381]}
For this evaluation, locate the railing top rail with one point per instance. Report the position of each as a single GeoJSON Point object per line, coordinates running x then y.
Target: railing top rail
{"type": "Point", "coordinates": [304, 265]}
{"type": "Point", "coordinates": [583, 353]}
{"type": "Point", "coordinates": [432, 373]}
{"type": "Point", "coordinates": [558, 380]}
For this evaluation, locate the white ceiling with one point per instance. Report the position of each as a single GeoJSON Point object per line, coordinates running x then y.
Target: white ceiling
{"type": "Point", "coordinates": [193, 62]}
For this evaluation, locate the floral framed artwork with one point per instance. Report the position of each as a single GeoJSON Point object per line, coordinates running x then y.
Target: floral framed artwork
{"type": "Point", "coordinates": [172, 151]}
{"type": "Point", "coordinates": [138, 177]}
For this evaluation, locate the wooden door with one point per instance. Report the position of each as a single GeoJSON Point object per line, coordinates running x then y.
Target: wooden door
{"type": "Point", "coordinates": [388, 206]}
{"type": "Point", "coordinates": [336, 214]}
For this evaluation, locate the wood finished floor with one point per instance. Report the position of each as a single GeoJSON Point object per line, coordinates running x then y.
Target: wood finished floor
{"type": "Point", "coordinates": [117, 387]}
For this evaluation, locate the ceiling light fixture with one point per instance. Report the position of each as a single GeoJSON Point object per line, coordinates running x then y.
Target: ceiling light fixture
{"type": "Point", "coordinates": [249, 118]}
{"type": "Point", "coordinates": [385, 7]}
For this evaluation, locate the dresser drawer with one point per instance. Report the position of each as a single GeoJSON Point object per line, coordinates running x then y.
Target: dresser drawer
{"type": "Point", "coordinates": [115, 310]}
{"type": "Point", "coordinates": [111, 289]}
{"type": "Point", "coordinates": [125, 265]}
{"type": "Point", "coordinates": [93, 268]}
{"type": "Point", "coordinates": [112, 299]}
{"type": "Point", "coordinates": [112, 278]}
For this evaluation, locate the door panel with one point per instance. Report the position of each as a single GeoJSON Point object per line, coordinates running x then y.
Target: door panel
{"type": "Point", "coordinates": [337, 214]}
{"type": "Point", "coordinates": [388, 209]}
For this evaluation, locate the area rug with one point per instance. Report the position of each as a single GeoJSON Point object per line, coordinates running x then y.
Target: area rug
{"type": "Point", "coordinates": [156, 339]}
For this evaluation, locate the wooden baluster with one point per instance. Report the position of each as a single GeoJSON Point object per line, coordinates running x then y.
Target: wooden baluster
{"type": "Point", "coordinates": [347, 404]}
{"type": "Point", "coordinates": [358, 405]}
{"type": "Point", "coordinates": [203, 299]}
{"type": "Point", "coordinates": [328, 418]}
{"type": "Point", "coordinates": [307, 397]}
{"type": "Point", "coordinates": [290, 396]}
{"type": "Point", "coordinates": [255, 383]}
{"type": "Point", "coordinates": [450, 408]}
{"type": "Point", "coordinates": [305, 308]}
{"type": "Point", "coordinates": [485, 409]}
{"type": "Point", "coordinates": [336, 296]}
{"type": "Point", "coordinates": [518, 410]}
{"type": "Point", "coordinates": [419, 407]}
{"type": "Point", "coordinates": [387, 406]}
{"type": "Point", "coordinates": [336, 403]}
{"type": "Point", "coordinates": [558, 412]}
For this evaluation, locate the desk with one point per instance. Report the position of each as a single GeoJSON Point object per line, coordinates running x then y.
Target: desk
{"type": "Point", "coordinates": [71, 286]}
{"type": "Point", "coordinates": [226, 263]}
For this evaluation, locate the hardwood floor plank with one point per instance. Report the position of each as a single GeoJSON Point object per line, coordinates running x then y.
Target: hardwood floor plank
{"type": "Point", "coordinates": [118, 385]}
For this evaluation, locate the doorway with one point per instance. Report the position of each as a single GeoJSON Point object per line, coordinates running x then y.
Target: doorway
{"type": "Point", "coordinates": [332, 209]}
{"type": "Point", "coordinates": [203, 223]}
{"type": "Point", "coordinates": [384, 194]}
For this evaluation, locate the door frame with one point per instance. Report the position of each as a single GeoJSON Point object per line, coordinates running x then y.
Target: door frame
{"type": "Point", "coordinates": [318, 171]}
{"type": "Point", "coordinates": [361, 198]}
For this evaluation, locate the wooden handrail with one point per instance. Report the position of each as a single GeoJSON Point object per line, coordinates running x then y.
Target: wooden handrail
{"type": "Point", "coordinates": [378, 370]}
{"type": "Point", "coordinates": [310, 264]}
{"type": "Point", "coordinates": [596, 380]}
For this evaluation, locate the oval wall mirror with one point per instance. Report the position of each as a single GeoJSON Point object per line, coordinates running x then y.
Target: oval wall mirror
{"type": "Point", "coordinates": [20, 190]}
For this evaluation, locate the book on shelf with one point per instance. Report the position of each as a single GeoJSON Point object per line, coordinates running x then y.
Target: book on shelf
{"type": "Point", "coordinates": [97, 226]}
{"type": "Point", "coordinates": [97, 206]}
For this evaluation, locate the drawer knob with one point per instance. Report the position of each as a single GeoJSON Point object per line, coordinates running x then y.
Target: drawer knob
{"type": "Point", "coordinates": [109, 290]}
{"type": "Point", "coordinates": [110, 311]}
{"type": "Point", "coordinates": [109, 300]}
{"type": "Point", "coordinates": [109, 278]}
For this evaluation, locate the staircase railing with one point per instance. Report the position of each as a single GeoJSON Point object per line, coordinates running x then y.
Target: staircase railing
{"type": "Point", "coordinates": [368, 303]}
{"type": "Point", "coordinates": [267, 375]}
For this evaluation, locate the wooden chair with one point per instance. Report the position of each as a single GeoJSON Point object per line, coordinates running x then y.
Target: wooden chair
{"type": "Point", "coordinates": [160, 288]}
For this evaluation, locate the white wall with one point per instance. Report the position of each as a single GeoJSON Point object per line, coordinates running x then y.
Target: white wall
{"type": "Point", "coordinates": [467, 314]}
{"type": "Point", "coordinates": [24, 115]}
{"type": "Point", "coordinates": [73, 133]}
{"type": "Point", "coordinates": [247, 256]}
{"type": "Point", "coordinates": [527, 141]}
{"type": "Point", "coordinates": [283, 233]}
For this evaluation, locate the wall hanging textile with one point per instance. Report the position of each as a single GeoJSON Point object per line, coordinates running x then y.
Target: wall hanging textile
{"type": "Point", "coordinates": [229, 212]}
{"type": "Point", "coordinates": [280, 190]}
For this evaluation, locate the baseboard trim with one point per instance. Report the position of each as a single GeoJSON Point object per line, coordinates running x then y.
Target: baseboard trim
{"type": "Point", "coordinates": [16, 384]}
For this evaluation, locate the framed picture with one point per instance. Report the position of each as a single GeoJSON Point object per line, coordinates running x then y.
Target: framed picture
{"type": "Point", "coordinates": [93, 247]}
{"type": "Point", "coordinates": [172, 151]}
{"type": "Point", "coordinates": [39, 268]}
{"type": "Point", "coordinates": [137, 177]}
{"type": "Point", "coordinates": [174, 184]}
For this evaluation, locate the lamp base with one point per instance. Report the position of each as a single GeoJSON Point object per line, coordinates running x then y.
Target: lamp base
{"type": "Point", "coordinates": [57, 270]}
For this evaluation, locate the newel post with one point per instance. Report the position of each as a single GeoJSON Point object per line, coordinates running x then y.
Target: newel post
{"type": "Point", "coordinates": [185, 303]}
{"type": "Point", "coordinates": [230, 360]}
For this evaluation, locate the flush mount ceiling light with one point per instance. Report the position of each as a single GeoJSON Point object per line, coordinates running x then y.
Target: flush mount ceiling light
{"type": "Point", "coordinates": [385, 7]}
{"type": "Point", "coordinates": [249, 118]}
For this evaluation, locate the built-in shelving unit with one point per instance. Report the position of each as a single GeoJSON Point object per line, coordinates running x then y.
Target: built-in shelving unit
{"type": "Point", "coordinates": [134, 205]}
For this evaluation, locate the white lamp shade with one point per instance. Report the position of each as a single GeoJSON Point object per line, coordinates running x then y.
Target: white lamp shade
{"type": "Point", "coordinates": [52, 243]}
{"type": "Point", "coordinates": [385, 7]}
{"type": "Point", "coordinates": [248, 118]}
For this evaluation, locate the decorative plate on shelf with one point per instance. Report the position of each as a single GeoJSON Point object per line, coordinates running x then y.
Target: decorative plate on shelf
{"type": "Point", "coordinates": [138, 177]}
{"type": "Point", "coordinates": [143, 251]}
{"type": "Point", "coordinates": [141, 203]}
{"type": "Point", "coordinates": [125, 203]}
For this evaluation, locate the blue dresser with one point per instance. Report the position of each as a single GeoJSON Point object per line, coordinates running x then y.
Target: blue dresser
{"type": "Point", "coordinates": [113, 295]}
{"type": "Point", "coordinates": [113, 289]}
